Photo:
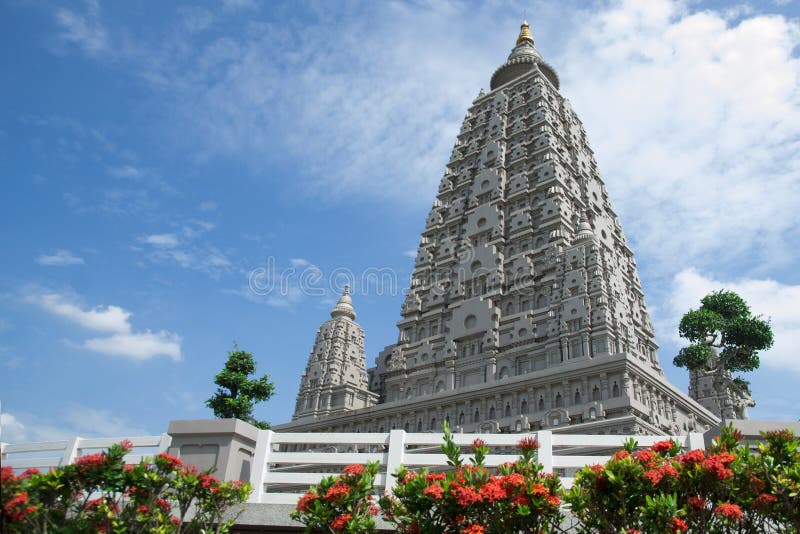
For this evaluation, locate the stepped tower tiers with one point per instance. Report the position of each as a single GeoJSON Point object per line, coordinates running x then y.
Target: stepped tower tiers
{"type": "Point", "coordinates": [525, 309]}
{"type": "Point", "coordinates": [335, 379]}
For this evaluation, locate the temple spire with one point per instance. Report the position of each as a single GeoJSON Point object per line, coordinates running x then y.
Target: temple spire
{"type": "Point", "coordinates": [344, 308]}
{"type": "Point", "coordinates": [525, 34]}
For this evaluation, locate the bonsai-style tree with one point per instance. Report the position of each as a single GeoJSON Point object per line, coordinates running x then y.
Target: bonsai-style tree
{"type": "Point", "coordinates": [725, 338]}
{"type": "Point", "coordinates": [237, 392]}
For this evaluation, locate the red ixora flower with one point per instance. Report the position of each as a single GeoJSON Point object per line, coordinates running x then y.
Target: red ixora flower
{"type": "Point", "coordinates": [474, 529]}
{"type": "Point", "coordinates": [434, 491]}
{"type": "Point", "coordinates": [697, 503]}
{"type": "Point", "coordinates": [692, 457]}
{"type": "Point", "coordinates": [465, 496]}
{"type": "Point", "coordinates": [765, 499]}
{"type": "Point", "coordinates": [730, 511]}
{"type": "Point", "coordinates": [305, 501]}
{"type": "Point", "coordinates": [528, 443]}
{"type": "Point", "coordinates": [663, 446]}
{"type": "Point", "coordinates": [553, 500]}
{"type": "Point", "coordinates": [170, 460]}
{"type": "Point", "coordinates": [676, 525]}
{"type": "Point", "coordinates": [338, 524]}
{"type": "Point", "coordinates": [654, 476]}
{"type": "Point", "coordinates": [208, 481]}
{"type": "Point", "coordinates": [337, 491]}
{"type": "Point", "coordinates": [646, 457]}
{"type": "Point", "coordinates": [621, 454]}
{"type": "Point", "coordinates": [164, 505]}
{"type": "Point", "coordinates": [433, 477]}
{"type": "Point", "coordinates": [493, 490]}
{"type": "Point", "coordinates": [17, 507]}
{"type": "Point", "coordinates": [478, 442]}
{"type": "Point", "coordinates": [91, 460]}
{"type": "Point", "coordinates": [126, 444]}
{"type": "Point", "coordinates": [354, 470]}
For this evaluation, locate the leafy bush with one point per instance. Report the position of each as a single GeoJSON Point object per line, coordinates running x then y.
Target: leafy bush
{"type": "Point", "coordinates": [472, 499]}
{"type": "Point", "coordinates": [341, 503]}
{"type": "Point", "coordinates": [100, 493]}
{"type": "Point", "coordinates": [724, 489]}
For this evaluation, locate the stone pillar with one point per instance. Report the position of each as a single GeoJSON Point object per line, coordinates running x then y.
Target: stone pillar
{"type": "Point", "coordinates": [225, 445]}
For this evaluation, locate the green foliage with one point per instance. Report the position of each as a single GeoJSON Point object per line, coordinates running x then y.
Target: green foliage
{"type": "Point", "coordinates": [340, 503]}
{"type": "Point", "coordinates": [723, 322]}
{"type": "Point", "coordinates": [472, 499]}
{"type": "Point", "coordinates": [237, 393]}
{"type": "Point", "coordinates": [100, 493]}
{"type": "Point", "coordinates": [724, 489]}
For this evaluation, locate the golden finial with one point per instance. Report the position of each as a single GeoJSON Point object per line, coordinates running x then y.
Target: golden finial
{"type": "Point", "coordinates": [524, 34]}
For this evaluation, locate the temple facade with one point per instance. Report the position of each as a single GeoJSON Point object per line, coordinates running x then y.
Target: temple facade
{"type": "Point", "coordinates": [525, 309]}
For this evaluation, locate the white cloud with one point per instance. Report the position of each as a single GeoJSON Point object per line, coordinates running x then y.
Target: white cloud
{"type": "Point", "coordinates": [103, 319]}
{"type": "Point", "coordinates": [122, 341]}
{"type": "Point", "coordinates": [84, 29]}
{"type": "Point", "coordinates": [72, 420]}
{"type": "Point", "coordinates": [695, 118]}
{"type": "Point", "coordinates": [139, 346]}
{"type": "Point", "coordinates": [59, 258]}
{"type": "Point", "coordinates": [187, 251]}
{"type": "Point", "coordinates": [776, 301]}
{"type": "Point", "coordinates": [161, 240]}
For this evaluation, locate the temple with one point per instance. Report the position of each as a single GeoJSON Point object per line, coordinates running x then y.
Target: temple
{"type": "Point", "coordinates": [525, 309]}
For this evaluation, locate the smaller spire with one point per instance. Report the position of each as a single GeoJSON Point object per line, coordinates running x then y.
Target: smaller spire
{"type": "Point", "coordinates": [344, 308]}
{"type": "Point", "coordinates": [525, 35]}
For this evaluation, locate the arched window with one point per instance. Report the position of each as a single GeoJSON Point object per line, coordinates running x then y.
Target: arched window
{"type": "Point", "coordinates": [439, 386]}
{"type": "Point", "coordinates": [577, 396]}
{"type": "Point", "coordinates": [507, 412]}
{"type": "Point", "coordinates": [407, 426]}
{"type": "Point", "coordinates": [523, 407]}
{"type": "Point", "coordinates": [615, 390]}
{"type": "Point", "coordinates": [433, 424]}
{"type": "Point", "coordinates": [541, 404]}
{"type": "Point", "coordinates": [518, 426]}
{"type": "Point", "coordinates": [491, 412]}
{"type": "Point", "coordinates": [559, 400]}
{"type": "Point", "coordinates": [541, 301]}
{"type": "Point", "coordinates": [477, 416]}
{"type": "Point", "coordinates": [592, 413]}
{"type": "Point", "coordinates": [461, 418]}
{"type": "Point", "coordinates": [596, 393]}
{"type": "Point", "coordinates": [509, 308]}
{"type": "Point", "coordinates": [419, 426]}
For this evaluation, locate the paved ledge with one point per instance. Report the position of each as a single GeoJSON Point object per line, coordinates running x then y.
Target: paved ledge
{"type": "Point", "coordinates": [257, 517]}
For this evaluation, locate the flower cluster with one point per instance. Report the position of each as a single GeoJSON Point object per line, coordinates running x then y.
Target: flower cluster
{"type": "Point", "coordinates": [99, 492]}
{"type": "Point", "coordinates": [474, 499]}
{"type": "Point", "coordinates": [341, 503]}
{"type": "Point", "coordinates": [722, 489]}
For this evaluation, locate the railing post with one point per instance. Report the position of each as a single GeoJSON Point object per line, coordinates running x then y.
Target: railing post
{"type": "Point", "coordinates": [695, 440]}
{"type": "Point", "coordinates": [545, 438]}
{"type": "Point", "coordinates": [394, 459]}
{"type": "Point", "coordinates": [165, 442]}
{"type": "Point", "coordinates": [71, 452]}
{"type": "Point", "coordinates": [260, 465]}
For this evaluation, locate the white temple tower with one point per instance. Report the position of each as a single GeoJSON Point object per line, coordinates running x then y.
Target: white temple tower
{"type": "Point", "coordinates": [335, 379]}
{"type": "Point", "coordinates": [525, 309]}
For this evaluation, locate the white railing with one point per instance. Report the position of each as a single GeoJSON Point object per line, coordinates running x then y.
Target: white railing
{"type": "Point", "coordinates": [50, 454]}
{"type": "Point", "coordinates": [285, 464]}
{"type": "Point", "coordinates": [283, 475]}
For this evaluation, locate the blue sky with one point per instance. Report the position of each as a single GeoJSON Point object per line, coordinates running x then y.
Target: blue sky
{"type": "Point", "coordinates": [156, 158]}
